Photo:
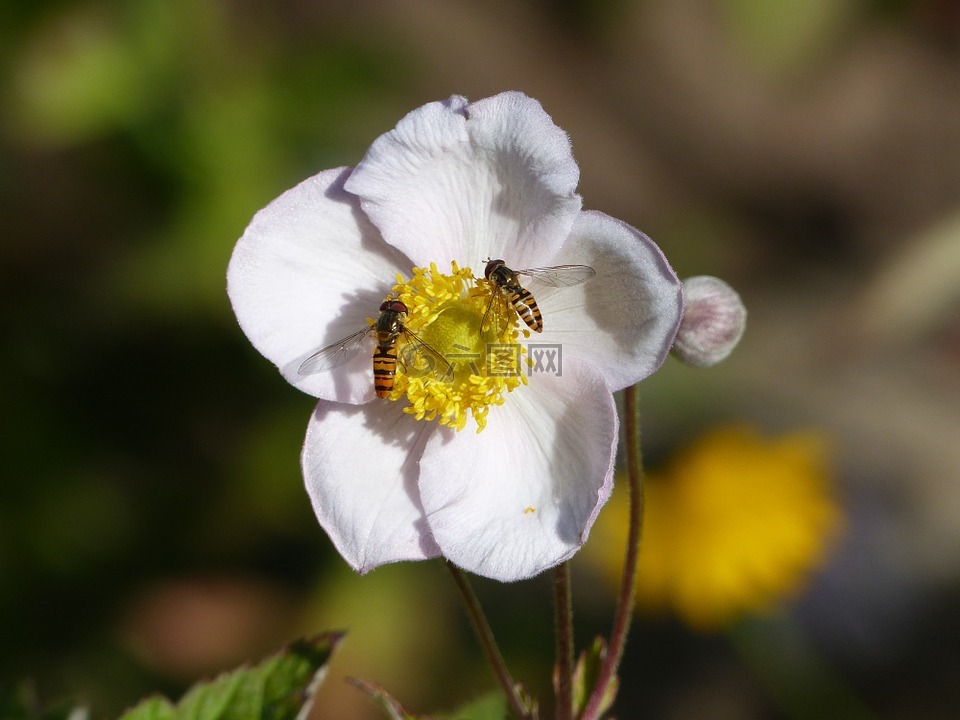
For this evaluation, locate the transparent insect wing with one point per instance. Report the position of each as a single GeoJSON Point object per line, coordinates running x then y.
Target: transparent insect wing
{"type": "Point", "coordinates": [560, 275]}
{"type": "Point", "coordinates": [335, 354]}
{"type": "Point", "coordinates": [496, 313]}
{"type": "Point", "coordinates": [418, 359]}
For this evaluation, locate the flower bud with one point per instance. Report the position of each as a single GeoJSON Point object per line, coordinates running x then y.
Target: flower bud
{"type": "Point", "coordinates": [714, 318]}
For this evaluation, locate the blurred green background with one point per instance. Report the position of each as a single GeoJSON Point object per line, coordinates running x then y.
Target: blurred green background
{"type": "Point", "coordinates": [153, 524]}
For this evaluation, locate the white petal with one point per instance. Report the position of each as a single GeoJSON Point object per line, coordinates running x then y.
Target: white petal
{"type": "Point", "coordinates": [309, 270]}
{"type": "Point", "coordinates": [452, 181]}
{"type": "Point", "coordinates": [624, 319]}
{"type": "Point", "coordinates": [360, 467]}
{"type": "Point", "coordinates": [521, 496]}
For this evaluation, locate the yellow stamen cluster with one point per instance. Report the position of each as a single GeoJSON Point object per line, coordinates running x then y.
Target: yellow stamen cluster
{"type": "Point", "coordinates": [444, 314]}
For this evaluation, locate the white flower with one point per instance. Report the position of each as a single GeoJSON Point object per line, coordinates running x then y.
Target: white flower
{"type": "Point", "coordinates": [456, 183]}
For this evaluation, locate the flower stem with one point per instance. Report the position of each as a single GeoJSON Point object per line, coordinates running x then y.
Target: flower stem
{"type": "Point", "coordinates": [563, 613]}
{"type": "Point", "coordinates": [488, 643]}
{"type": "Point", "coordinates": [624, 611]}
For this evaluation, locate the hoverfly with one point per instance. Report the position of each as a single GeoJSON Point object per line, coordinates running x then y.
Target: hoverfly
{"type": "Point", "coordinates": [507, 288]}
{"type": "Point", "coordinates": [389, 328]}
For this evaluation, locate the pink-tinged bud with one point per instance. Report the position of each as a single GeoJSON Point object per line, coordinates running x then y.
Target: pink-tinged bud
{"type": "Point", "coordinates": [714, 319]}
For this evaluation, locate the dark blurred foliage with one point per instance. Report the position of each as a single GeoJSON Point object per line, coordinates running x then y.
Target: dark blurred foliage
{"type": "Point", "coordinates": [153, 525]}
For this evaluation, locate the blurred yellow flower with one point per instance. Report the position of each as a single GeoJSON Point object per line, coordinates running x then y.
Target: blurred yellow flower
{"type": "Point", "coordinates": [734, 524]}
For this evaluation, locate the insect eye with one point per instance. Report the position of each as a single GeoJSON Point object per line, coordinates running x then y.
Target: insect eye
{"type": "Point", "coordinates": [394, 306]}
{"type": "Point", "coordinates": [491, 266]}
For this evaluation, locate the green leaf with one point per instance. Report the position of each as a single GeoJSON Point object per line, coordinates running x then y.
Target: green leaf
{"type": "Point", "coordinates": [279, 688]}
{"type": "Point", "coordinates": [585, 678]}
{"type": "Point", "coordinates": [153, 708]}
{"type": "Point", "coordinates": [492, 706]}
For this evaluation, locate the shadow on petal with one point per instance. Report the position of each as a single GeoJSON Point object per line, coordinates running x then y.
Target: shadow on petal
{"type": "Point", "coordinates": [361, 464]}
